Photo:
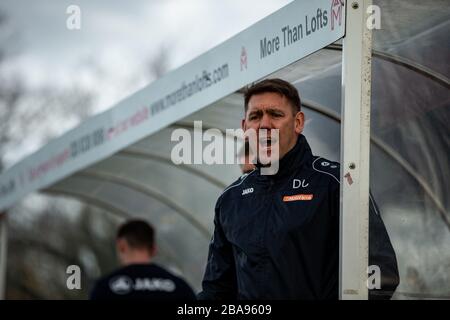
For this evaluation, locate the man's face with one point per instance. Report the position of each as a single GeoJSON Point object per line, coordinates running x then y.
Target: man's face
{"type": "Point", "coordinates": [273, 111]}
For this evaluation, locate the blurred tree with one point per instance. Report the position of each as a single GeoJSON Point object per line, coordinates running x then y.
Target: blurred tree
{"type": "Point", "coordinates": [29, 117]}
{"type": "Point", "coordinates": [37, 265]}
{"type": "Point", "coordinates": [159, 64]}
{"type": "Point", "coordinates": [46, 238]}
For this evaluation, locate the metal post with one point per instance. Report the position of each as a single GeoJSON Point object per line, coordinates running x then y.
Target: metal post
{"type": "Point", "coordinates": [3, 253]}
{"type": "Point", "coordinates": [355, 151]}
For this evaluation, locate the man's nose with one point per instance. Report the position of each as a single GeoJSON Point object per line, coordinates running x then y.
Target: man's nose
{"type": "Point", "coordinates": [265, 122]}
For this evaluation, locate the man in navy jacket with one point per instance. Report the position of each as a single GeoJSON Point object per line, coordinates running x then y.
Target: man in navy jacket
{"type": "Point", "coordinates": [277, 236]}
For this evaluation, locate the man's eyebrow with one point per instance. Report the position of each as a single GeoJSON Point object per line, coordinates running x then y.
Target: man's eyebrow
{"type": "Point", "coordinates": [255, 111]}
{"type": "Point", "coordinates": [274, 109]}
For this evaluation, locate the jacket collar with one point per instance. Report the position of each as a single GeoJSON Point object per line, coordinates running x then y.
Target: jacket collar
{"type": "Point", "coordinates": [297, 157]}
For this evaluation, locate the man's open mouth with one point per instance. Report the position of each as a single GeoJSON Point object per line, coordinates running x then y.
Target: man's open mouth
{"type": "Point", "coordinates": [266, 142]}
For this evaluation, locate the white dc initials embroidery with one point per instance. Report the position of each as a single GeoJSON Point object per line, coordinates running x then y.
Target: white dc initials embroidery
{"type": "Point", "coordinates": [297, 183]}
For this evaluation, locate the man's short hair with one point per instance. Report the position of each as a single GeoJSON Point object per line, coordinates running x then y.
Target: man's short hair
{"type": "Point", "coordinates": [139, 234]}
{"type": "Point", "coordinates": [277, 86]}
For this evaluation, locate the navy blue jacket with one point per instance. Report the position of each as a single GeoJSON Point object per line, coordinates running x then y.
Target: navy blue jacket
{"type": "Point", "coordinates": [146, 281]}
{"type": "Point", "coordinates": [277, 236]}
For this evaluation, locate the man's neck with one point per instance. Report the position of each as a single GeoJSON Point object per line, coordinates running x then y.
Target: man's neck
{"type": "Point", "coordinates": [137, 258]}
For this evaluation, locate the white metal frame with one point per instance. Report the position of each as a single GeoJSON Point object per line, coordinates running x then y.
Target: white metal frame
{"type": "Point", "coordinates": [3, 253]}
{"type": "Point", "coordinates": [355, 152]}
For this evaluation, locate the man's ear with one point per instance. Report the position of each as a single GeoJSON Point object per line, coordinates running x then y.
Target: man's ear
{"type": "Point", "coordinates": [299, 122]}
{"type": "Point", "coordinates": [243, 124]}
{"type": "Point", "coordinates": [153, 251]}
{"type": "Point", "coordinates": [121, 245]}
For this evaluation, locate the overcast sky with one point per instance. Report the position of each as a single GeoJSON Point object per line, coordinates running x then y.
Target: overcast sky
{"type": "Point", "coordinates": [117, 38]}
{"type": "Point", "coordinates": [110, 53]}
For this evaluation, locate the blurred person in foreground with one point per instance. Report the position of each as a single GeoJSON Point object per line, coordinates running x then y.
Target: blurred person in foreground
{"type": "Point", "coordinates": [276, 236]}
{"type": "Point", "coordinates": [139, 278]}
